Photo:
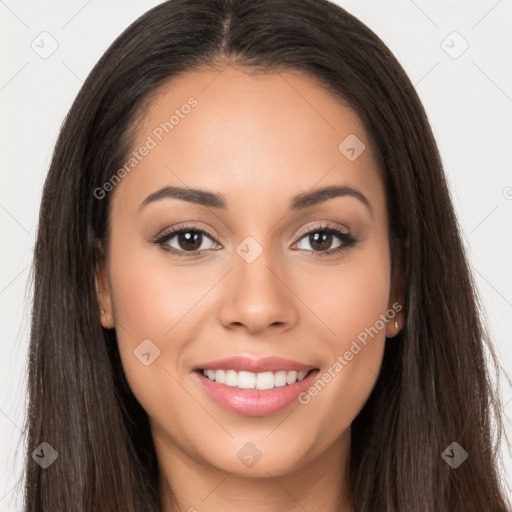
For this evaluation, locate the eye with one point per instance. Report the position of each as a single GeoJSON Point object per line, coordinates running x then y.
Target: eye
{"type": "Point", "coordinates": [192, 241]}
{"type": "Point", "coordinates": [321, 237]}
{"type": "Point", "coordinates": [185, 241]}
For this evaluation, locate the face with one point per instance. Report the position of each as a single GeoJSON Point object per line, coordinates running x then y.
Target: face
{"type": "Point", "coordinates": [260, 266]}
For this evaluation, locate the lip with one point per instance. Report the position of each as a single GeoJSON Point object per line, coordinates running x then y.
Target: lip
{"type": "Point", "coordinates": [254, 402]}
{"type": "Point", "coordinates": [247, 364]}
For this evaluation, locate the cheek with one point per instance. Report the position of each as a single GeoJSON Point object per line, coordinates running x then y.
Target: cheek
{"type": "Point", "coordinates": [354, 305]}
{"type": "Point", "coordinates": [150, 306]}
{"type": "Point", "coordinates": [363, 296]}
{"type": "Point", "coordinates": [349, 297]}
{"type": "Point", "coordinates": [149, 303]}
{"type": "Point", "coordinates": [150, 298]}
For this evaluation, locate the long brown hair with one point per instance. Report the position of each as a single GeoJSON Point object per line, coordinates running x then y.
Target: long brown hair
{"type": "Point", "coordinates": [434, 387]}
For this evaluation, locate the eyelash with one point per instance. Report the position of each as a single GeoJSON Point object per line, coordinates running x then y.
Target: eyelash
{"type": "Point", "coordinates": [162, 240]}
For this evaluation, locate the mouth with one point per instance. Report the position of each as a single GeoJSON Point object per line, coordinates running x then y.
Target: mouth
{"type": "Point", "coordinates": [259, 381]}
{"type": "Point", "coordinates": [255, 393]}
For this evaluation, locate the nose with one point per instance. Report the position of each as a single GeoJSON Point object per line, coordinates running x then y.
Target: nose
{"type": "Point", "coordinates": [258, 296]}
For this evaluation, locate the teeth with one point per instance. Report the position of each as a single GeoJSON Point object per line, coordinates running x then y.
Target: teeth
{"type": "Point", "coordinates": [246, 380]}
{"type": "Point", "coordinates": [291, 377]}
{"type": "Point", "coordinates": [219, 376]}
{"type": "Point", "coordinates": [280, 379]}
{"type": "Point", "coordinates": [250, 380]}
{"type": "Point", "coordinates": [231, 378]}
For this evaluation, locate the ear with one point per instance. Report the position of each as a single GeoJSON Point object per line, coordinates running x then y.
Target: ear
{"type": "Point", "coordinates": [397, 295]}
{"type": "Point", "coordinates": [103, 294]}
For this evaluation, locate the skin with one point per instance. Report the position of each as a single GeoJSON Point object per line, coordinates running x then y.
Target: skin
{"type": "Point", "coordinates": [290, 302]}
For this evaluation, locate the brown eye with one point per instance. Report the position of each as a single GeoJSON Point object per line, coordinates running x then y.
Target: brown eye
{"type": "Point", "coordinates": [189, 240]}
{"type": "Point", "coordinates": [321, 238]}
{"type": "Point", "coordinates": [186, 240]}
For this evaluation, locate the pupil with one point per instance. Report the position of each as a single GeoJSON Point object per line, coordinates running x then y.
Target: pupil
{"type": "Point", "coordinates": [188, 241]}
{"type": "Point", "coordinates": [191, 240]}
{"type": "Point", "coordinates": [325, 240]}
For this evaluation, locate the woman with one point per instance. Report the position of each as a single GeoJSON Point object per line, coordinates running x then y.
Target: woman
{"type": "Point", "coordinates": [250, 288]}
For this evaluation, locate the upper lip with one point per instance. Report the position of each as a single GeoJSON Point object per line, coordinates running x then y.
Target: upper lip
{"type": "Point", "coordinates": [264, 364]}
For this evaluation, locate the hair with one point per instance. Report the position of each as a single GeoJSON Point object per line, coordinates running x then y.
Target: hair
{"type": "Point", "coordinates": [435, 385]}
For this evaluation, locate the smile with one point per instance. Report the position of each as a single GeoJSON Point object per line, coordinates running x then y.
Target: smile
{"type": "Point", "coordinates": [273, 384]}
{"type": "Point", "coordinates": [250, 380]}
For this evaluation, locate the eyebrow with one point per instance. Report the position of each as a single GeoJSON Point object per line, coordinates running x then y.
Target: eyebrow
{"type": "Point", "coordinates": [212, 200]}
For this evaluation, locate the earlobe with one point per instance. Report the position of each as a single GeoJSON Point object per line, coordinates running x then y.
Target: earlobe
{"type": "Point", "coordinates": [396, 313]}
{"type": "Point", "coordinates": [397, 293]}
{"type": "Point", "coordinates": [103, 296]}
{"type": "Point", "coordinates": [106, 319]}
{"type": "Point", "coordinates": [393, 327]}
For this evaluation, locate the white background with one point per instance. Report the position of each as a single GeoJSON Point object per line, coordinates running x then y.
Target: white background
{"type": "Point", "coordinates": [468, 100]}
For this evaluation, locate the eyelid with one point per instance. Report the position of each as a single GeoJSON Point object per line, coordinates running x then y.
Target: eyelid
{"type": "Point", "coordinates": [340, 231]}
{"type": "Point", "coordinates": [190, 225]}
{"type": "Point", "coordinates": [181, 227]}
{"type": "Point", "coordinates": [319, 225]}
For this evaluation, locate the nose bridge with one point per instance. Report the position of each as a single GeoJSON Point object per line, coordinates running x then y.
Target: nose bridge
{"type": "Point", "coordinates": [253, 267]}
{"type": "Point", "coordinates": [256, 295]}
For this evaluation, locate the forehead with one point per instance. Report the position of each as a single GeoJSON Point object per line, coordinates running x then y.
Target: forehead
{"type": "Point", "coordinates": [234, 131]}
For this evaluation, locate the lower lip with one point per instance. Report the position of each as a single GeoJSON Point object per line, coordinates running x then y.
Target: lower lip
{"type": "Point", "coordinates": [254, 402]}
